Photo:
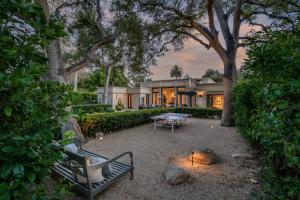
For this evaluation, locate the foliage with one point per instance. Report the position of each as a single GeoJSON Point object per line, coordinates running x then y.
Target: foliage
{"type": "Point", "coordinates": [176, 72]}
{"type": "Point", "coordinates": [30, 108]}
{"type": "Point", "coordinates": [215, 75]}
{"type": "Point", "coordinates": [97, 79]}
{"type": "Point", "coordinates": [106, 122]}
{"type": "Point", "coordinates": [201, 112]}
{"type": "Point", "coordinates": [266, 111]}
{"type": "Point", "coordinates": [90, 108]}
{"type": "Point", "coordinates": [119, 106]}
{"type": "Point", "coordinates": [89, 26]}
{"type": "Point", "coordinates": [81, 97]}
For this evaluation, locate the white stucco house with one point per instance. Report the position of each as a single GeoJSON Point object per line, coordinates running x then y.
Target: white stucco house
{"type": "Point", "coordinates": [186, 92]}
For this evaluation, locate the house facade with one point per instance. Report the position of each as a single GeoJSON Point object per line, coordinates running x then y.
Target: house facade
{"type": "Point", "coordinates": [187, 92]}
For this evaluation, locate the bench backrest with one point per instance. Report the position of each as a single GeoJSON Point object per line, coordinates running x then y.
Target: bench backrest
{"type": "Point", "coordinates": [76, 163]}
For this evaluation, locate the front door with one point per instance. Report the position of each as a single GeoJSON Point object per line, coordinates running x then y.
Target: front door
{"type": "Point", "coordinates": [129, 100]}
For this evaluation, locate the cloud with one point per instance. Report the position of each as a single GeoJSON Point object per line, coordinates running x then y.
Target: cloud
{"type": "Point", "coordinates": [194, 59]}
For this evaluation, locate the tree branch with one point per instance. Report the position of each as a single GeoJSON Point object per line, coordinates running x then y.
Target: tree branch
{"type": "Point", "coordinates": [237, 19]}
{"type": "Point", "coordinates": [90, 52]}
{"type": "Point", "coordinates": [68, 4]}
{"type": "Point", "coordinates": [207, 46]}
{"type": "Point", "coordinates": [211, 20]}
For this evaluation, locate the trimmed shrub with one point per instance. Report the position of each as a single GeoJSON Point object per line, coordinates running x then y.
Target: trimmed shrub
{"type": "Point", "coordinates": [106, 122]}
{"type": "Point", "coordinates": [80, 97]}
{"type": "Point", "coordinates": [267, 112]}
{"type": "Point", "coordinates": [201, 112]}
{"type": "Point", "coordinates": [91, 108]}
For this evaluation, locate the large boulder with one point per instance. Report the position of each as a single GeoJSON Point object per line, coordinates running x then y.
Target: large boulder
{"type": "Point", "coordinates": [175, 175]}
{"type": "Point", "coordinates": [72, 125]}
{"type": "Point", "coordinates": [204, 156]}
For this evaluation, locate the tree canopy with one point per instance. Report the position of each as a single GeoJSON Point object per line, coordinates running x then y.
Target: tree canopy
{"type": "Point", "coordinates": [176, 72]}
{"type": "Point", "coordinates": [215, 75]}
{"type": "Point", "coordinates": [97, 79]}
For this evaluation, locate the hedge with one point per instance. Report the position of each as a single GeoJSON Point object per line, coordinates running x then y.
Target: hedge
{"type": "Point", "coordinates": [107, 122]}
{"type": "Point", "coordinates": [91, 108]}
{"type": "Point", "coordinates": [80, 97]}
{"type": "Point", "coordinates": [201, 112]}
{"type": "Point", "coordinates": [267, 112]}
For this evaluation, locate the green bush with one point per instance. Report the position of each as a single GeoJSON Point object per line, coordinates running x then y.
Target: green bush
{"type": "Point", "coordinates": [201, 112]}
{"type": "Point", "coordinates": [106, 122]}
{"type": "Point", "coordinates": [267, 112]}
{"type": "Point", "coordinates": [30, 108]}
{"type": "Point", "coordinates": [119, 106]}
{"type": "Point", "coordinates": [91, 108]}
{"type": "Point", "coordinates": [80, 97]}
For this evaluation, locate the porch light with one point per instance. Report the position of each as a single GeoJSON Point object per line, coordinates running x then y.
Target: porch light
{"type": "Point", "coordinates": [200, 93]}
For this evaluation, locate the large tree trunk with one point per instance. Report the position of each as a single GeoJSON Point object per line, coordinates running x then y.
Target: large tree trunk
{"type": "Point", "coordinates": [229, 79]}
{"type": "Point", "coordinates": [55, 63]}
{"type": "Point", "coordinates": [108, 69]}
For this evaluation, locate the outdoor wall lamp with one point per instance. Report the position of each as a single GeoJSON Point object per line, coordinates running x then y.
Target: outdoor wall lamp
{"type": "Point", "coordinates": [193, 158]}
{"type": "Point", "coordinates": [200, 93]}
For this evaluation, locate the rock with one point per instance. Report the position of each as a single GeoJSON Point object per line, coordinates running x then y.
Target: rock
{"type": "Point", "coordinates": [72, 125]}
{"type": "Point", "coordinates": [205, 156]}
{"type": "Point", "coordinates": [175, 175]}
{"type": "Point", "coordinates": [243, 155]}
{"type": "Point", "coordinates": [253, 181]}
{"type": "Point", "coordinates": [99, 135]}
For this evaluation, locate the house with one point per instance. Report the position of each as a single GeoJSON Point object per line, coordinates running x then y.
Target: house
{"type": "Point", "coordinates": [186, 92]}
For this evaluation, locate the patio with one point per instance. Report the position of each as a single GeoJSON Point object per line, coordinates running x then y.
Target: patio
{"type": "Point", "coordinates": [228, 180]}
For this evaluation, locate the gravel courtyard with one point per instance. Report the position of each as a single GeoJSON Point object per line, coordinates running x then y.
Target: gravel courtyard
{"type": "Point", "coordinates": [231, 179]}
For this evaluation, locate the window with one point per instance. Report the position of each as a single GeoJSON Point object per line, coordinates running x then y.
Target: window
{"type": "Point", "coordinates": [215, 101]}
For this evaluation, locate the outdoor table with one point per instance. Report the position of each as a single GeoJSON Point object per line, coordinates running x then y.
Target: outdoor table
{"type": "Point", "coordinates": [173, 120]}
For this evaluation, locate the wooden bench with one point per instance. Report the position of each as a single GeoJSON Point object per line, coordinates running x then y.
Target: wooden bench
{"type": "Point", "coordinates": [77, 164]}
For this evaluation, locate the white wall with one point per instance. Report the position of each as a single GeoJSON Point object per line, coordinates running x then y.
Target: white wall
{"type": "Point", "coordinates": [201, 101]}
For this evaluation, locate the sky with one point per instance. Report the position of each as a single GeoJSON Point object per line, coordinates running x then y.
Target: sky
{"type": "Point", "coordinates": [194, 59]}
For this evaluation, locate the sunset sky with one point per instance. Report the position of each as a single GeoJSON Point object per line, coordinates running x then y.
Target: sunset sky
{"type": "Point", "coordinates": [194, 59]}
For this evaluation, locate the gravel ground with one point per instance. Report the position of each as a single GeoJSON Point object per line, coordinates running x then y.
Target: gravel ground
{"type": "Point", "coordinates": [228, 180]}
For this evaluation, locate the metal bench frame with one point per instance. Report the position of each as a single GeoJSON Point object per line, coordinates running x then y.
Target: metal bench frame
{"type": "Point", "coordinates": [77, 164]}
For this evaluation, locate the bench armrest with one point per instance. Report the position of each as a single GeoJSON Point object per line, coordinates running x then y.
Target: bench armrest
{"type": "Point", "coordinates": [114, 159]}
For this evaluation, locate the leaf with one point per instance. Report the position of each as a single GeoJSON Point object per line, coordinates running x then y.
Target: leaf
{"type": "Point", "coordinates": [8, 111]}
{"type": "Point", "coordinates": [5, 196]}
{"type": "Point", "coordinates": [6, 170]}
{"type": "Point", "coordinates": [295, 83]}
{"type": "Point", "coordinates": [9, 149]}
{"type": "Point", "coordinates": [31, 177]}
{"type": "Point", "coordinates": [3, 187]}
{"type": "Point", "coordinates": [18, 169]}
{"type": "Point", "coordinates": [32, 153]}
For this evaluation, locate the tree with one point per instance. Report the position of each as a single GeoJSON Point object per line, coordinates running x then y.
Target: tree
{"type": "Point", "coordinates": [97, 79]}
{"type": "Point", "coordinates": [173, 22]}
{"type": "Point", "coordinates": [176, 72]}
{"type": "Point", "coordinates": [215, 75]}
{"type": "Point", "coordinates": [55, 63]}
{"type": "Point", "coordinates": [87, 28]}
